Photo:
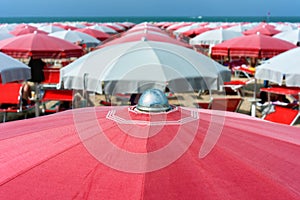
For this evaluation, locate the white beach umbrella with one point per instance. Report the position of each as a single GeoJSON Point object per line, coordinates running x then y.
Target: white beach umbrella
{"type": "Point", "coordinates": [76, 36]}
{"type": "Point", "coordinates": [133, 67]}
{"type": "Point", "coordinates": [5, 35]}
{"type": "Point", "coordinates": [286, 64]}
{"type": "Point", "coordinates": [49, 28]}
{"type": "Point", "coordinates": [292, 36]}
{"type": "Point", "coordinates": [12, 69]}
{"type": "Point", "coordinates": [103, 29]}
{"type": "Point", "coordinates": [215, 36]}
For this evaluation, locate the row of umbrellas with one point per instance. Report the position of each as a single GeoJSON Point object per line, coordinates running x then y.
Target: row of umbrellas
{"type": "Point", "coordinates": [143, 58]}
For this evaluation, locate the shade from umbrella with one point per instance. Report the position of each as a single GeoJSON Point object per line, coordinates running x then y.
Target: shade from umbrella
{"type": "Point", "coordinates": [12, 70]}
{"type": "Point", "coordinates": [119, 153]}
{"type": "Point", "coordinates": [76, 36]}
{"type": "Point", "coordinates": [283, 66]}
{"type": "Point", "coordinates": [39, 46]}
{"type": "Point", "coordinates": [133, 67]}
{"type": "Point", "coordinates": [256, 46]}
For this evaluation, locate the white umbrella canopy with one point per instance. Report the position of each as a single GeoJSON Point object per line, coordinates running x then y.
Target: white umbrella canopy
{"type": "Point", "coordinates": [103, 29]}
{"type": "Point", "coordinates": [5, 35]}
{"type": "Point", "coordinates": [12, 69]}
{"type": "Point", "coordinates": [49, 28]}
{"type": "Point", "coordinates": [133, 67]}
{"type": "Point", "coordinates": [215, 36]}
{"type": "Point", "coordinates": [292, 36]}
{"type": "Point", "coordinates": [76, 36]}
{"type": "Point", "coordinates": [286, 64]}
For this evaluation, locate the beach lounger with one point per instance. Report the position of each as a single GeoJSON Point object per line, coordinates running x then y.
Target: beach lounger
{"type": "Point", "coordinates": [11, 100]}
{"type": "Point", "coordinates": [56, 95]}
{"type": "Point", "coordinates": [282, 115]}
{"type": "Point", "coordinates": [231, 104]}
{"type": "Point", "coordinates": [51, 77]}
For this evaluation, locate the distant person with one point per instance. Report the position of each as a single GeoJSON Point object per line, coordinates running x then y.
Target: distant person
{"type": "Point", "coordinates": [37, 73]}
{"type": "Point", "coordinates": [26, 93]}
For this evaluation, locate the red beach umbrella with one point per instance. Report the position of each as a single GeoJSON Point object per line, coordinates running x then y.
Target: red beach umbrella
{"type": "Point", "coordinates": [120, 153]}
{"type": "Point", "coordinates": [38, 45]}
{"type": "Point", "coordinates": [95, 33]}
{"type": "Point", "coordinates": [196, 31]}
{"type": "Point", "coordinates": [145, 35]}
{"type": "Point", "coordinates": [26, 30]}
{"type": "Point", "coordinates": [262, 28]}
{"type": "Point", "coordinates": [256, 46]}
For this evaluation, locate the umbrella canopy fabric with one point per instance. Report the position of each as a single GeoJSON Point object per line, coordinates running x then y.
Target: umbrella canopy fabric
{"type": "Point", "coordinates": [133, 67]}
{"type": "Point", "coordinates": [262, 28]}
{"type": "Point", "coordinates": [215, 36]}
{"type": "Point", "coordinates": [256, 46]}
{"type": "Point", "coordinates": [292, 36]}
{"type": "Point", "coordinates": [94, 33]}
{"type": "Point", "coordinates": [26, 30]}
{"type": "Point", "coordinates": [103, 28]}
{"type": "Point", "coordinates": [286, 64]}
{"type": "Point", "coordinates": [76, 36]}
{"type": "Point", "coordinates": [38, 45]}
{"type": "Point", "coordinates": [12, 69]}
{"type": "Point", "coordinates": [118, 153]}
{"type": "Point", "coordinates": [5, 35]}
{"type": "Point", "coordinates": [50, 28]}
{"type": "Point", "coordinates": [145, 35]}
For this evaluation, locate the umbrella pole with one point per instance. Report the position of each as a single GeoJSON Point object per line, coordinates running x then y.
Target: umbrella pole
{"type": "Point", "coordinates": [253, 103]}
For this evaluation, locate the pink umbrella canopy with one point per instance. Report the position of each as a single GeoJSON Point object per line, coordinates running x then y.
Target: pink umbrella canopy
{"type": "Point", "coordinates": [38, 45]}
{"type": "Point", "coordinates": [262, 28]}
{"type": "Point", "coordinates": [196, 31]}
{"type": "Point", "coordinates": [122, 153]}
{"type": "Point", "coordinates": [26, 30]}
{"type": "Point", "coordinates": [145, 35]}
{"type": "Point", "coordinates": [256, 46]}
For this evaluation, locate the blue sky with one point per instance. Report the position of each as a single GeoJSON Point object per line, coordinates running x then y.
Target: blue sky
{"type": "Point", "coordinates": [11, 8]}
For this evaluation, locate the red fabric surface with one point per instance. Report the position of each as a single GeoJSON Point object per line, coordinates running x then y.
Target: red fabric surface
{"type": "Point", "coordinates": [10, 93]}
{"type": "Point", "coordinates": [39, 46]}
{"type": "Point", "coordinates": [95, 33]}
{"type": "Point", "coordinates": [51, 76]}
{"type": "Point", "coordinates": [282, 115]}
{"type": "Point", "coordinates": [282, 90]}
{"type": "Point", "coordinates": [258, 46]}
{"type": "Point", "coordinates": [60, 95]}
{"type": "Point", "coordinates": [44, 158]}
{"type": "Point", "coordinates": [148, 36]}
{"type": "Point", "coordinates": [196, 31]}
